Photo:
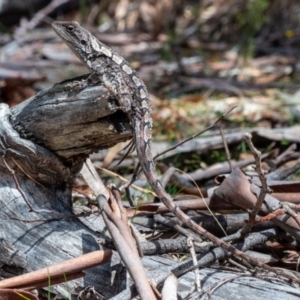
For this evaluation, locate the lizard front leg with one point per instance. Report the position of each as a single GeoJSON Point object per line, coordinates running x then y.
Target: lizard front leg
{"type": "Point", "coordinates": [112, 79]}
{"type": "Point", "coordinates": [80, 85]}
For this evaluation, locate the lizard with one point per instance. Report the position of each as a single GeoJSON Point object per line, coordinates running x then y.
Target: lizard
{"type": "Point", "coordinates": [116, 74]}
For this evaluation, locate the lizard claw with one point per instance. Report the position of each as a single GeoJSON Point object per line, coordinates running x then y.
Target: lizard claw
{"type": "Point", "coordinates": [78, 86]}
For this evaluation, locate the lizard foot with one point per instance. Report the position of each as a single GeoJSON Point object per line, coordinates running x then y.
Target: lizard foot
{"type": "Point", "coordinates": [78, 87]}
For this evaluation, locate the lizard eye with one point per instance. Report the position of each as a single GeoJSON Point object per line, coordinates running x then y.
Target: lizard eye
{"type": "Point", "coordinates": [83, 42]}
{"type": "Point", "coordinates": [70, 28]}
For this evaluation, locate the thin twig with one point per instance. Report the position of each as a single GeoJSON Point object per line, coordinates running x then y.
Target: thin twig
{"type": "Point", "coordinates": [222, 282]}
{"type": "Point", "coordinates": [59, 272]}
{"type": "Point", "coordinates": [32, 209]}
{"type": "Point", "coordinates": [137, 171]}
{"type": "Point", "coordinates": [264, 186]}
{"type": "Point", "coordinates": [58, 218]}
{"type": "Point", "coordinates": [195, 135]}
{"type": "Point", "coordinates": [195, 263]}
{"type": "Point", "coordinates": [173, 225]}
{"type": "Point", "coordinates": [226, 148]}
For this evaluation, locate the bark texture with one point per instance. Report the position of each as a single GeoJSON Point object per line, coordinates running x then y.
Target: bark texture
{"type": "Point", "coordinates": [43, 143]}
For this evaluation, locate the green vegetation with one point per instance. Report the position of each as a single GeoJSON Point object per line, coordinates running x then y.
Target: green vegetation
{"type": "Point", "coordinates": [250, 21]}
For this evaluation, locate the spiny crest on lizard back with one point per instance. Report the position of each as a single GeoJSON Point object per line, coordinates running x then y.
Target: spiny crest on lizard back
{"type": "Point", "coordinates": [80, 41]}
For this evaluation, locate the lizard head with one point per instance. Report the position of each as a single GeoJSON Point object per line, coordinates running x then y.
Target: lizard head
{"type": "Point", "coordinates": [76, 37]}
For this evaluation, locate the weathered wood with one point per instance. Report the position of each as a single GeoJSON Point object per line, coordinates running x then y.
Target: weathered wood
{"type": "Point", "coordinates": [239, 287]}
{"type": "Point", "coordinates": [71, 123]}
{"type": "Point", "coordinates": [44, 175]}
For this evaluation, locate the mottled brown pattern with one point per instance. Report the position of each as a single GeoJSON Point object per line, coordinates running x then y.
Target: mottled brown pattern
{"type": "Point", "coordinates": [111, 71]}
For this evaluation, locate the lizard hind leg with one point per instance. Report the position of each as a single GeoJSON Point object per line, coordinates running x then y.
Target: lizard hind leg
{"type": "Point", "coordinates": [125, 101]}
{"type": "Point", "coordinates": [120, 90]}
{"type": "Point", "coordinates": [130, 148]}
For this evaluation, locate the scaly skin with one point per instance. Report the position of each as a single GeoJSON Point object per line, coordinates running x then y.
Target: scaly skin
{"type": "Point", "coordinates": [116, 74]}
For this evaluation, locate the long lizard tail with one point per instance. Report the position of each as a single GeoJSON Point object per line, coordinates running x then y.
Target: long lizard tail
{"type": "Point", "coordinates": [143, 147]}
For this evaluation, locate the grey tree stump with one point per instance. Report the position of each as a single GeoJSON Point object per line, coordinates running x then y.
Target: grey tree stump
{"type": "Point", "coordinates": [43, 143]}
